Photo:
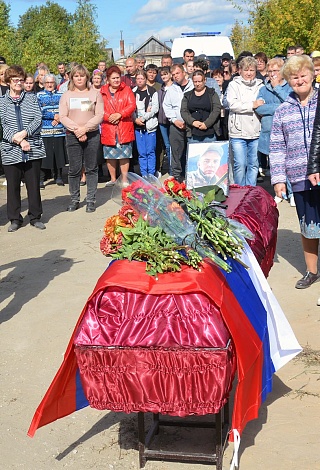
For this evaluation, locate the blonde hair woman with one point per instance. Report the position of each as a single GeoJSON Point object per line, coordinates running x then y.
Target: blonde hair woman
{"type": "Point", "coordinates": [81, 112]}
{"type": "Point", "coordinates": [244, 124]}
{"type": "Point", "coordinates": [289, 149]}
{"type": "Point", "coordinates": [274, 93]}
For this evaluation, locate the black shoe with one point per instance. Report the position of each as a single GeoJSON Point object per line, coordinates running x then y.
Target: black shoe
{"type": "Point", "coordinates": [260, 179]}
{"type": "Point", "coordinates": [83, 183]}
{"type": "Point", "coordinates": [73, 207]}
{"type": "Point", "coordinates": [90, 207]}
{"type": "Point", "coordinates": [14, 226]}
{"type": "Point", "coordinates": [42, 186]}
{"type": "Point", "coordinates": [59, 182]}
{"type": "Point", "coordinates": [306, 281]}
{"type": "Point", "coordinates": [38, 224]}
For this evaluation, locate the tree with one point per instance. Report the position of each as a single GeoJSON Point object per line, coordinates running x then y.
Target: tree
{"type": "Point", "coordinates": [240, 38]}
{"type": "Point", "coordinates": [277, 24]}
{"type": "Point", "coordinates": [50, 34]}
{"type": "Point", "coordinates": [88, 48]}
{"type": "Point", "coordinates": [7, 33]}
{"type": "Point", "coordinates": [44, 35]}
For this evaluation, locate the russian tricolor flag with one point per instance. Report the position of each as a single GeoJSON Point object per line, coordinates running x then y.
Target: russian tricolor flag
{"type": "Point", "coordinates": [263, 338]}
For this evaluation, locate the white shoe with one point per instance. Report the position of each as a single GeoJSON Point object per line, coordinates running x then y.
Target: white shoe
{"type": "Point", "coordinates": [318, 302]}
{"type": "Point", "coordinates": [278, 199]}
{"type": "Point", "coordinates": [158, 174]}
{"type": "Point", "coordinates": [110, 183]}
{"type": "Point", "coordinates": [5, 183]}
{"type": "Point", "coordinates": [292, 201]}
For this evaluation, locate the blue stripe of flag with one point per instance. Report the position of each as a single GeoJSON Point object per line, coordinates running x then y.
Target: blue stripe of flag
{"type": "Point", "coordinates": [243, 289]}
{"type": "Point", "coordinates": [81, 400]}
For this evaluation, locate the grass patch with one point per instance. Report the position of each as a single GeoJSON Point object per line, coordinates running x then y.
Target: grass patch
{"type": "Point", "coordinates": [309, 357]}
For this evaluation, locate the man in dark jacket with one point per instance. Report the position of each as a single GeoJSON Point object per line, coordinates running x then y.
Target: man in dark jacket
{"type": "Point", "coordinates": [130, 77]}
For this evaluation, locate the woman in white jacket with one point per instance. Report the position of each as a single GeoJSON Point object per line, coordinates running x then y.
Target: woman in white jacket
{"type": "Point", "coordinates": [244, 124]}
{"type": "Point", "coordinates": [146, 123]}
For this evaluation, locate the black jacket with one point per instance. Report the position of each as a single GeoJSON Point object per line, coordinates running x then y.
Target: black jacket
{"type": "Point", "coordinates": [213, 119]}
{"type": "Point", "coordinates": [314, 155]}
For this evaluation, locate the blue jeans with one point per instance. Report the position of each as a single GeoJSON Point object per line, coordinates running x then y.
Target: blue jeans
{"type": "Point", "coordinates": [289, 189]}
{"type": "Point", "coordinates": [164, 129]}
{"type": "Point", "coordinates": [245, 166]}
{"type": "Point", "coordinates": [146, 145]}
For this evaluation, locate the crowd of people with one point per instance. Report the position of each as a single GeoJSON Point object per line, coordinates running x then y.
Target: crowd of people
{"type": "Point", "coordinates": [267, 108]}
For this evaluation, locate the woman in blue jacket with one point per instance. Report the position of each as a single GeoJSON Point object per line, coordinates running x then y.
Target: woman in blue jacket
{"type": "Point", "coordinates": [273, 94]}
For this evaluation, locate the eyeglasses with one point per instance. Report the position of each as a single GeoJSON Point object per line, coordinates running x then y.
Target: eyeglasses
{"type": "Point", "coordinates": [17, 80]}
{"type": "Point", "coordinates": [273, 71]}
{"type": "Point", "coordinates": [50, 83]}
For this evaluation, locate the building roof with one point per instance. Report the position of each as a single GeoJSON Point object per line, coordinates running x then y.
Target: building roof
{"type": "Point", "coordinates": [152, 46]}
{"type": "Point", "coordinates": [109, 53]}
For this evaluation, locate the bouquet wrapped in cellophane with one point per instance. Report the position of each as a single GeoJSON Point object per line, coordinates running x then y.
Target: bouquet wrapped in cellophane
{"type": "Point", "coordinates": [170, 226]}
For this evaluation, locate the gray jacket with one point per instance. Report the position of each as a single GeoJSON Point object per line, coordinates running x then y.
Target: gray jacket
{"type": "Point", "coordinates": [172, 101]}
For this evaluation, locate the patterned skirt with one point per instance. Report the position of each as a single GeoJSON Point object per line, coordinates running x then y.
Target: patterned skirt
{"type": "Point", "coordinates": [308, 210]}
{"type": "Point", "coordinates": [118, 151]}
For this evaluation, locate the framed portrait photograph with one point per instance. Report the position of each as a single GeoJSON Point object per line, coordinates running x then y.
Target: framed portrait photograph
{"type": "Point", "coordinates": [207, 165]}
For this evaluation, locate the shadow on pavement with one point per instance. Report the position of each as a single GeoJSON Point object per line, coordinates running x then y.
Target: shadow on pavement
{"type": "Point", "coordinates": [289, 247]}
{"type": "Point", "coordinates": [27, 278]}
{"type": "Point", "coordinates": [103, 424]}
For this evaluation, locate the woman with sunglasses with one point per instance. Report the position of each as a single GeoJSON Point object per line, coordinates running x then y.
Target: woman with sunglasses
{"type": "Point", "coordinates": [22, 148]}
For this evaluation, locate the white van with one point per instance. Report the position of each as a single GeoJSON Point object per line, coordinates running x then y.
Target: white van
{"type": "Point", "coordinates": [211, 44]}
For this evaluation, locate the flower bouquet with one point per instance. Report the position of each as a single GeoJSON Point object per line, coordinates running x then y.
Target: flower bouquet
{"type": "Point", "coordinates": [168, 227]}
{"type": "Point", "coordinates": [136, 233]}
{"type": "Point", "coordinates": [223, 234]}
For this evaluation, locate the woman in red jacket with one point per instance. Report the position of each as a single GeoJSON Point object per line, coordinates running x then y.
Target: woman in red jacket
{"type": "Point", "coordinates": [117, 131]}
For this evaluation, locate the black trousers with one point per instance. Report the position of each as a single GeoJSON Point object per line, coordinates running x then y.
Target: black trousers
{"type": "Point", "coordinates": [83, 154]}
{"type": "Point", "coordinates": [178, 144]}
{"type": "Point", "coordinates": [14, 173]}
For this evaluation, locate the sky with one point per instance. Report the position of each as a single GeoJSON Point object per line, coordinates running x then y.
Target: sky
{"type": "Point", "coordinates": [140, 19]}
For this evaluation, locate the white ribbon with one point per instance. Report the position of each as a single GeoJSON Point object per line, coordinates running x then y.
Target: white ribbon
{"type": "Point", "coordinates": [236, 446]}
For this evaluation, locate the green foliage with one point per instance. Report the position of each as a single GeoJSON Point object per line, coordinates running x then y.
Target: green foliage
{"type": "Point", "coordinates": [87, 48]}
{"type": "Point", "coordinates": [151, 244]}
{"type": "Point", "coordinates": [7, 32]}
{"type": "Point", "coordinates": [277, 24]}
{"type": "Point", "coordinates": [43, 35]}
{"type": "Point", "coordinates": [50, 34]}
{"type": "Point", "coordinates": [240, 37]}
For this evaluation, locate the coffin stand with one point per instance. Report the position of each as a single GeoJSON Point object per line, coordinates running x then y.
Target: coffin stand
{"type": "Point", "coordinates": [179, 381]}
